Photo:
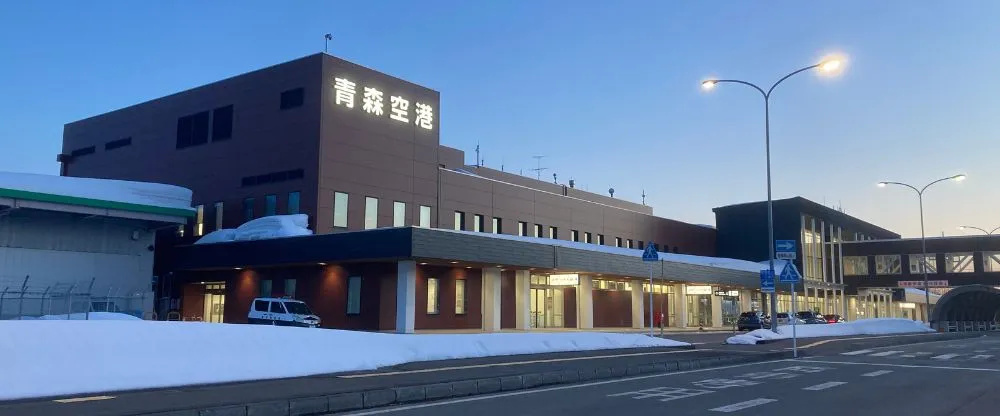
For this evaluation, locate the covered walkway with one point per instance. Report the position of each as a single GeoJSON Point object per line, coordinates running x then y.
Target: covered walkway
{"type": "Point", "coordinates": [967, 308]}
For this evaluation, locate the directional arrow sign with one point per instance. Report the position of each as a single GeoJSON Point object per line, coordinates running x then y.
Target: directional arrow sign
{"type": "Point", "coordinates": [784, 245]}
{"type": "Point", "coordinates": [766, 281]}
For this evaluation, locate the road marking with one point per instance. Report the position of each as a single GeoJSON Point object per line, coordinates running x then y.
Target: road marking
{"type": "Point", "coordinates": [824, 386]}
{"type": "Point", "coordinates": [552, 360]}
{"type": "Point", "coordinates": [536, 391]}
{"type": "Point", "coordinates": [944, 356]}
{"type": "Point", "coordinates": [981, 356]}
{"type": "Point", "coordinates": [885, 353]}
{"type": "Point", "coordinates": [908, 356]}
{"type": "Point", "coordinates": [979, 351]}
{"type": "Point", "coordinates": [84, 399]}
{"type": "Point", "coordinates": [923, 353]}
{"type": "Point", "coordinates": [858, 352]}
{"type": "Point", "coordinates": [663, 394]}
{"type": "Point", "coordinates": [876, 373]}
{"type": "Point", "coordinates": [742, 405]}
{"type": "Point", "coordinates": [902, 365]}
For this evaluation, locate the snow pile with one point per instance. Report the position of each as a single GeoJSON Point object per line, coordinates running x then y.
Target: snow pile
{"type": "Point", "coordinates": [274, 226]}
{"type": "Point", "coordinates": [140, 193]}
{"type": "Point", "coordinates": [145, 354]}
{"type": "Point", "coordinates": [79, 316]}
{"type": "Point", "coordinates": [876, 326]}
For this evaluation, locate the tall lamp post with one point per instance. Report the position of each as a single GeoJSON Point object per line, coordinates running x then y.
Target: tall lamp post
{"type": "Point", "coordinates": [969, 227]}
{"type": "Point", "coordinates": [923, 237]}
{"type": "Point", "coordinates": [829, 66]}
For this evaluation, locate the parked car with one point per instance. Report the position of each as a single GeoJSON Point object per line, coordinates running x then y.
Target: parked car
{"type": "Point", "coordinates": [749, 321]}
{"type": "Point", "coordinates": [281, 311]}
{"type": "Point", "coordinates": [783, 319]}
{"type": "Point", "coordinates": [833, 319]}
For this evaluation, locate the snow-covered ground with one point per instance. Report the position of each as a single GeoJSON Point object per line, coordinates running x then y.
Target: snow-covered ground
{"type": "Point", "coordinates": [60, 357]}
{"type": "Point", "coordinates": [79, 316]}
{"type": "Point", "coordinates": [877, 326]}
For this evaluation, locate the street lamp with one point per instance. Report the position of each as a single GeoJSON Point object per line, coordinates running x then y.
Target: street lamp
{"type": "Point", "coordinates": [923, 237]}
{"type": "Point", "coordinates": [826, 66]}
{"type": "Point", "coordinates": [968, 227]}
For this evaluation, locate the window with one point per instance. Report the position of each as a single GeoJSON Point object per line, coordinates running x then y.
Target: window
{"type": "Point", "coordinates": [192, 130]}
{"type": "Point", "coordinates": [371, 213]}
{"type": "Point", "coordinates": [887, 264]}
{"type": "Point", "coordinates": [340, 209]}
{"type": "Point", "coordinates": [247, 209]}
{"type": "Point", "coordinates": [855, 265]}
{"type": "Point", "coordinates": [218, 215]}
{"type": "Point", "coordinates": [290, 288]}
{"type": "Point", "coordinates": [497, 225]}
{"type": "Point", "coordinates": [991, 261]}
{"type": "Point", "coordinates": [199, 220]}
{"type": "Point", "coordinates": [628, 243]}
{"type": "Point", "coordinates": [931, 262]}
{"type": "Point", "coordinates": [600, 239]}
{"type": "Point", "coordinates": [587, 238]}
{"type": "Point", "coordinates": [112, 145]}
{"type": "Point", "coordinates": [273, 177]}
{"type": "Point", "coordinates": [83, 151]}
{"type": "Point", "coordinates": [222, 123]}
{"type": "Point", "coordinates": [293, 202]}
{"type": "Point", "coordinates": [270, 205]}
{"type": "Point", "coordinates": [640, 245]}
{"type": "Point", "coordinates": [425, 216]}
{"type": "Point", "coordinates": [180, 230]}
{"type": "Point", "coordinates": [292, 98]}
{"type": "Point", "coordinates": [655, 246]}
{"type": "Point", "coordinates": [959, 263]}
{"type": "Point", "coordinates": [459, 220]}
{"type": "Point", "coordinates": [354, 295]}
{"type": "Point", "coordinates": [478, 223]}
{"type": "Point", "coordinates": [553, 233]}
{"type": "Point", "coordinates": [265, 288]}
{"type": "Point", "coordinates": [432, 296]}
{"type": "Point", "coordinates": [618, 241]}
{"type": "Point", "coordinates": [260, 305]}
{"type": "Point", "coordinates": [277, 307]}
{"type": "Point", "coordinates": [677, 249]}
{"type": "Point", "coordinates": [538, 230]}
{"type": "Point", "coordinates": [460, 297]}
{"type": "Point", "coordinates": [522, 228]}
{"type": "Point", "coordinates": [398, 214]}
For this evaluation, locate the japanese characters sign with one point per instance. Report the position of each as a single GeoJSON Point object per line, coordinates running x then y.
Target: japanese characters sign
{"type": "Point", "coordinates": [348, 93]}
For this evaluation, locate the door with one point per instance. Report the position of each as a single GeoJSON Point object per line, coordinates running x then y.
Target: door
{"type": "Point", "coordinates": [215, 302]}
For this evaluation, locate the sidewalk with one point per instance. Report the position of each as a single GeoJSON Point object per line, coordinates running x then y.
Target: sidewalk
{"type": "Point", "coordinates": [670, 330]}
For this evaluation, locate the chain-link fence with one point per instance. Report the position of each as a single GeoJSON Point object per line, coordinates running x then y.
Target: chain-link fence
{"type": "Point", "coordinates": [36, 299]}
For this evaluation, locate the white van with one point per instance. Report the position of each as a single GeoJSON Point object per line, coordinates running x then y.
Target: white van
{"type": "Point", "coordinates": [282, 312]}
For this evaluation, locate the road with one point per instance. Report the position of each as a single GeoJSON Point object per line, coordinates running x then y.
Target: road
{"type": "Point", "coordinates": [959, 377]}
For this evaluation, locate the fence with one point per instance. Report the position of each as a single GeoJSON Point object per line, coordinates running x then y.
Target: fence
{"type": "Point", "coordinates": [967, 326]}
{"type": "Point", "coordinates": [33, 299]}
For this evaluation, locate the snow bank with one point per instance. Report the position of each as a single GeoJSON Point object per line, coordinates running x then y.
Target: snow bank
{"type": "Point", "coordinates": [876, 326]}
{"type": "Point", "coordinates": [273, 226]}
{"type": "Point", "coordinates": [141, 193]}
{"type": "Point", "coordinates": [94, 316]}
{"type": "Point", "coordinates": [122, 355]}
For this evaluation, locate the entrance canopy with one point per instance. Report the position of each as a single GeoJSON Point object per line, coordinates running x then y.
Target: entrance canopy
{"type": "Point", "coordinates": [976, 303]}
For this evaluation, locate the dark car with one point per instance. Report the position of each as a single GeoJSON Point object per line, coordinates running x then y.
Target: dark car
{"type": "Point", "coordinates": [833, 319]}
{"type": "Point", "coordinates": [811, 318]}
{"type": "Point", "coordinates": [751, 320]}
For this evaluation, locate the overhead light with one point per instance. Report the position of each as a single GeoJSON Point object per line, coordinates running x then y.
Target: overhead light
{"type": "Point", "coordinates": [237, 268]}
{"type": "Point", "coordinates": [499, 266]}
{"type": "Point", "coordinates": [423, 264]}
{"type": "Point", "coordinates": [454, 262]}
{"type": "Point", "coordinates": [322, 264]}
{"type": "Point", "coordinates": [468, 267]}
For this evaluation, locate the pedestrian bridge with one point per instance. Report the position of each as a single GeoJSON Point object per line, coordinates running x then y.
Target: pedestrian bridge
{"type": "Point", "coordinates": [967, 308]}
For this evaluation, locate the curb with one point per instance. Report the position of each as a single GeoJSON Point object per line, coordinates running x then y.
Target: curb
{"type": "Point", "coordinates": [369, 399]}
{"type": "Point", "coordinates": [941, 336]}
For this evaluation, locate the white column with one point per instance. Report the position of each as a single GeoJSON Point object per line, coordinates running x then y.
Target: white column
{"type": "Point", "coordinates": [522, 299]}
{"type": "Point", "coordinates": [406, 296]}
{"type": "Point", "coordinates": [892, 312]}
{"type": "Point", "coordinates": [745, 300]}
{"type": "Point", "coordinates": [680, 292]}
{"type": "Point", "coordinates": [585, 303]}
{"type": "Point", "coordinates": [637, 298]}
{"type": "Point", "coordinates": [716, 311]}
{"type": "Point", "coordinates": [491, 299]}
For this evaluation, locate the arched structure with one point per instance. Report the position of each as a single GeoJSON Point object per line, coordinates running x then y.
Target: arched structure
{"type": "Point", "coordinates": [970, 303]}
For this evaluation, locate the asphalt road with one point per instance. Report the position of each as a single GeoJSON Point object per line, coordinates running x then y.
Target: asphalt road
{"type": "Point", "coordinates": [958, 377]}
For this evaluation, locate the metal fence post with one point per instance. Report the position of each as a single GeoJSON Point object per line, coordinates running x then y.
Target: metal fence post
{"type": "Point", "coordinates": [20, 304]}
{"type": "Point", "coordinates": [2, 295]}
{"type": "Point", "coordinates": [41, 303]}
{"type": "Point", "coordinates": [69, 300]}
{"type": "Point", "coordinates": [86, 314]}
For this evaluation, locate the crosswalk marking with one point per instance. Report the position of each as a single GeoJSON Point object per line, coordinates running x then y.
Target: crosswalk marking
{"type": "Point", "coordinates": [885, 353]}
{"type": "Point", "coordinates": [859, 352]}
{"type": "Point", "coordinates": [742, 405]}
{"type": "Point", "coordinates": [824, 386]}
{"type": "Point", "coordinates": [876, 373]}
{"type": "Point", "coordinates": [944, 356]}
{"type": "Point", "coordinates": [908, 356]}
{"type": "Point", "coordinates": [981, 356]}
{"type": "Point", "coordinates": [923, 353]}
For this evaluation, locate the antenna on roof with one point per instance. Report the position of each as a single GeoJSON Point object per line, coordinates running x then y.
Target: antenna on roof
{"type": "Point", "coordinates": [644, 197]}
{"type": "Point", "coordinates": [612, 192]}
{"type": "Point", "coordinates": [555, 178]}
{"type": "Point", "coordinates": [326, 43]}
{"type": "Point", "coordinates": [539, 169]}
{"type": "Point", "coordinates": [478, 161]}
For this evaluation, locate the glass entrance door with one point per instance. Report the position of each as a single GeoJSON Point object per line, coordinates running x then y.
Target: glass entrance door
{"type": "Point", "coordinates": [215, 302]}
{"type": "Point", "coordinates": [546, 308]}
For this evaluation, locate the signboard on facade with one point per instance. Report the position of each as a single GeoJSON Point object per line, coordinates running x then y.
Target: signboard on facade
{"type": "Point", "coordinates": [374, 102]}
{"type": "Point", "coordinates": [699, 290]}
{"type": "Point", "coordinates": [920, 283]}
{"type": "Point", "coordinates": [730, 293]}
{"type": "Point", "coordinates": [907, 305]}
{"type": "Point", "coordinates": [564, 279]}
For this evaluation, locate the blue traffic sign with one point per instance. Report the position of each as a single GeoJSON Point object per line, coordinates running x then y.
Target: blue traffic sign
{"type": "Point", "coordinates": [790, 274]}
{"type": "Point", "coordinates": [650, 254]}
{"type": "Point", "coordinates": [767, 281]}
{"type": "Point", "coordinates": [784, 245]}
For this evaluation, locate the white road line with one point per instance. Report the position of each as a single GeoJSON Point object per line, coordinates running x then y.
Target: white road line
{"type": "Point", "coordinates": [908, 356]}
{"type": "Point", "coordinates": [824, 386]}
{"type": "Point", "coordinates": [885, 353]}
{"type": "Point", "coordinates": [923, 353]}
{"type": "Point", "coordinates": [981, 356]}
{"type": "Point", "coordinates": [858, 352]}
{"type": "Point", "coordinates": [84, 399]}
{"type": "Point", "coordinates": [876, 373]}
{"type": "Point", "coordinates": [979, 351]}
{"type": "Point", "coordinates": [944, 356]}
{"type": "Point", "coordinates": [900, 365]}
{"type": "Point", "coordinates": [742, 405]}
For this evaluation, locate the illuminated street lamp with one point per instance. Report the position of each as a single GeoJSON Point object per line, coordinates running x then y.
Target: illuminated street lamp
{"type": "Point", "coordinates": [923, 237]}
{"type": "Point", "coordinates": [829, 66]}
{"type": "Point", "coordinates": [969, 227]}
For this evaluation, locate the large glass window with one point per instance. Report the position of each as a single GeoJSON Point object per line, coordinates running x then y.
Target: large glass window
{"type": "Point", "coordinates": [991, 261]}
{"type": "Point", "coordinates": [497, 225]}
{"type": "Point", "coordinates": [628, 243]}
{"type": "Point", "coordinates": [915, 263]}
{"type": "Point", "coordinates": [247, 209]}
{"type": "Point", "coordinates": [293, 202]}
{"type": "Point", "coordinates": [600, 239]}
{"type": "Point", "coordinates": [425, 216]}
{"type": "Point", "coordinates": [199, 220]}
{"type": "Point", "coordinates": [354, 295]}
{"type": "Point", "coordinates": [587, 238]}
{"type": "Point", "coordinates": [855, 265]}
{"type": "Point", "coordinates": [398, 214]}
{"type": "Point", "coordinates": [218, 215]}
{"type": "Point", "coordinates": [553, 232]}
{"type": "Point", "coordinates": [371, 213]}
{"type": "Point", "coordinates": [460, 297]}
{"type": "Point", "coordinates": [270, 205]}
{"type": "Point", "coordinates": [265, 288]}
{"type": "Point", "coordinates": [618, 241]}
{"type": "Point", "coordinates": [340, 209]}
{"type": "Point", "coordinates": [478, 223]}
{"type": "Point", "coordinates": [432, 296]}
{"type": "Point", "coordinates": [887, 264]}
{"type": "Point", "coordinates": [538, 230]}
{"type": "Point", "coordinates": [574, 235]}
{"type": "Point", "coordinates": [959, 263]}
{"type": "Point", "coordinates": [459, 220]}
{"type": "Point", "coordinates": [290, 288]}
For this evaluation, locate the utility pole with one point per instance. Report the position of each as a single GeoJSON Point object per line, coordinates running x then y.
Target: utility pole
{"type": "Point", "coordinates": [326, 43]}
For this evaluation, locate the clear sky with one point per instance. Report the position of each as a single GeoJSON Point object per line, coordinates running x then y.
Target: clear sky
{"type": "Point", "coordinates": [607, 91]}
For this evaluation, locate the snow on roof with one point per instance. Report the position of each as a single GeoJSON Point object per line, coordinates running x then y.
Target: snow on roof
{"type": "Point", "coordinates": [154, 198]}
{"type": "Point", "coordinates": [919, 292]}
{"type": "Point", "coordinates": [720, 262]}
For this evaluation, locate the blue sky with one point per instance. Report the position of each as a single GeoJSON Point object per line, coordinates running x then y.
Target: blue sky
{"type": "Point", "coordinates": [607, 91]}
